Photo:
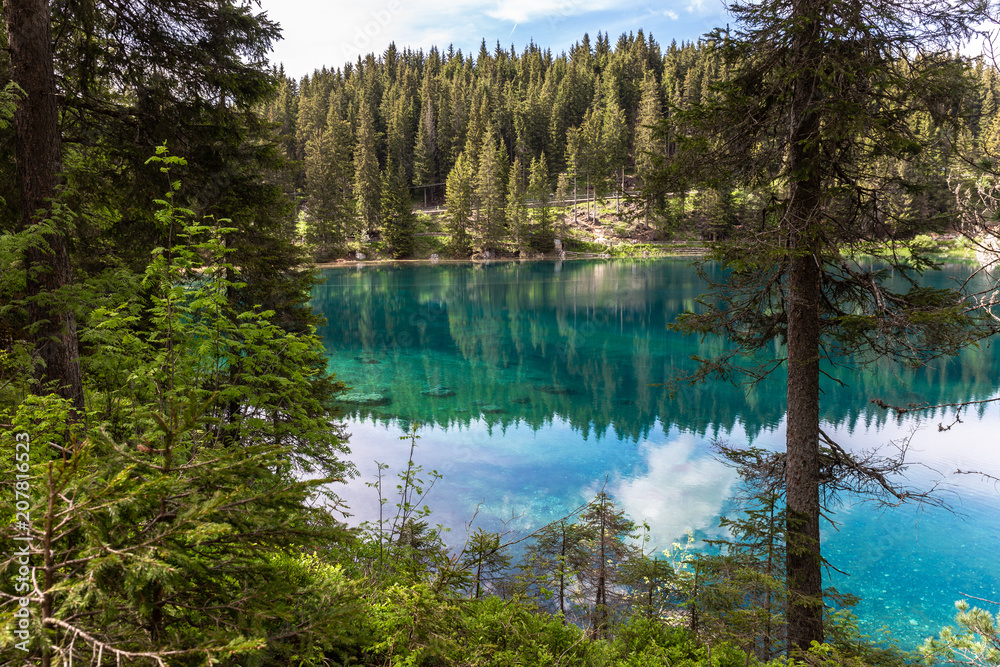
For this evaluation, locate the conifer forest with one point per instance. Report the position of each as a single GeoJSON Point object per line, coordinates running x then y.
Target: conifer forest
{"type": "Point", "coordinates": [174, 444]}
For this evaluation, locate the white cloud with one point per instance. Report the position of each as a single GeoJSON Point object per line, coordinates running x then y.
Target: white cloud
{"type": "Point", "coordinates": [683, 489]}
{"type": "Point", "coordinates": [319, 32]}
{"type": "Point", "coordinates": [523, 11]}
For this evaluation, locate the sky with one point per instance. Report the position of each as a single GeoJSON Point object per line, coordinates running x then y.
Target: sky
{"type": "Point", "coordinates": [330, 33]}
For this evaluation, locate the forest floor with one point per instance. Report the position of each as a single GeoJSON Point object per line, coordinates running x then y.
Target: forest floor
{"type": "Point", "coordinates": [607, 229]}
{"type": "Point", "coordinates": [610, 230]}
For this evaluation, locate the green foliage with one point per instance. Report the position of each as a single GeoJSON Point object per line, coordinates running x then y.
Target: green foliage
{"type": "Point", "coordinates": [490, 194]}
{"type": "Point", "coordinates": [551, 564]}
{"type": "Point", "coordinates": [645, 642]}
{"type": "Point", "coordinates": [329, 176]}
{"type": "Point", "coordinates": [270, 383]}
{"type": "Point", "coordinates": [367, 179]}
{"type": "Point", "coordinates": [974, 641]}
{"type": "Point", "coordinates": [397, 217]}
{"type": "Point", "coordinates": [486, 560]}
{"type": "Point", "coordinates": [8, 103]}
{"type": "Point", "coordinates": [742, 586]}
{"type": "Point", "coordinates": [608, 535]}
{"type": "Point", "coordinates": [171, 545]}
{"type": "Point", "coordinates": [421, 627]}
{"type": "Point", "coordinates": [459, 201]}
{"type": "Point", "coordinates": [516, 211]}
{"type": "Point", "coordinates": [539, 192]}
{"type": "Point", "coordinates": [407, 547]}
{"type": "Point", "coordinates": [172, 524]}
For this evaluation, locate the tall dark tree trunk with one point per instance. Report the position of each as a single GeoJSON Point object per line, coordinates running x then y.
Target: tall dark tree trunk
{"type": "Point", "coordinates": [562, 574]}
{"type": "Point", "coordinates": [805, 603]}
{"type": "Point", "coordinates": [804, 573]}
{"type": "Point", "coordinates": [37, 148]}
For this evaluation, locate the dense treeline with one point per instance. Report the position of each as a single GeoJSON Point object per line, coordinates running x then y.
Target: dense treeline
{"type": "Point", "coordinates": [169, 495]}
{"type": "Point", "coordinates": [476, 315]}
{"type": "Point", "coordinates": [483, 134]}
{"type": "Point", "coordinates": [162, 393]}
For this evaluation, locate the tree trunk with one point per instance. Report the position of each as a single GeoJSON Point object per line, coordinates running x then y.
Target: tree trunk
{"type": "Point", "coordinates": [37, 149]}
{"type": "Point", "coordinates": [805, 584]}
{"type": "Point", "coordinates": [805, 604]}
{"type": "Point", "coordinates": [562, 575]}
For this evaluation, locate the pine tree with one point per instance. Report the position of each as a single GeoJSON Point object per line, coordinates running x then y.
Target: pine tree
{"type": "Point", "coordinates": [802, 82]}
{"type": "Point", "coordinates": [397, 218]}
{"type": "Point", "coordinates": [608, 535]}
{"type": "Point", "coordinates": [741, 594]}
{"type": "Point", "coordinates": [38, 153]}
{"type": "Point", "coordinates": [648, 149]}
{"type": "Point", "coordinates": [312, 111]}
{"type": "Point", "coordinates": [173, 533]}
{"type": "Point", "coordinates": [367, 176]}
{"type": "Point", "coordinates": [329, 172]}
{"type": "Point", "coordinates": [487, 561]}
{"type": "Point", "coordinates": [425, 151]}
{"type": "Point", "coordinates": [490, 194]}
{"type": "Point", "coordinates": [614, 143]}
{"type": "Point", "coordinates": [541, 213]}
{"type": "Point", "coordinates": [458, 200]}
{"type": "Point", "coordinates": [518, 219]}
{"type": "Point", "coordinates": [553, 562]}
{"type": "Point", "coordinates": [564, 183]}
{"type": "Point", "coordinates": [282, 113]}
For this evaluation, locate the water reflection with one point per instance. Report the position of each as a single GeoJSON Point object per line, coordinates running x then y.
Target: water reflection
{"type": "Point", "coordinates": [678, 489]}
{"type": "Point", "coordinates": [587, 343]}
{"type": "Point", "coordinates": [538, 383]}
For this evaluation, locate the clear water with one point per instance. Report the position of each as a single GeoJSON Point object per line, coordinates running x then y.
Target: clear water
{"type": "Point", "coordinates": [535, 384]}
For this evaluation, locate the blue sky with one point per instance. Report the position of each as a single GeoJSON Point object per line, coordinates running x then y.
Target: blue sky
{"type": "Point", "coordinates": [320, 32]}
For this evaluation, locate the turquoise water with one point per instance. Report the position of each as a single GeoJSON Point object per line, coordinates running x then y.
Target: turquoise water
{"type": "Point", "coordinates": [536, 384]}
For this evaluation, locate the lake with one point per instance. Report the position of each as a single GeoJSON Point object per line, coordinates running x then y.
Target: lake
{"type": "Point", "coordinates": [535, 384]}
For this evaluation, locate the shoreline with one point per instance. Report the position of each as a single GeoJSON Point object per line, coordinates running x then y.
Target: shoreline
{"type": "Point", "coordinates": [688, 251]}
{"type": "Point", "coordinates": [669, 252]}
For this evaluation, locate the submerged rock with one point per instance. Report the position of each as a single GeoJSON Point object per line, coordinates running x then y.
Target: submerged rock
{"type": "Point", "coordinates": [368, 398]}
{"type": "Point", "coordinates": [438, 392]}
{"type": "Point", "coordinates": [524, 400]}
{"type": "Point", "coordinates": [556, 389]}
{"type": "Point", "coordinates": [491, 409]}
{"type": "Point", "coordinates": [367, 360]}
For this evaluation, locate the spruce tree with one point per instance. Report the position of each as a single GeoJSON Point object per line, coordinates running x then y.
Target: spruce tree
{"type": "Point", "coordinates": [397, 218]}
{"type": "Point", "coordinates": [803, 79]}
{"type": "Point", "coordinates": [281, 112]}
{"type": "Point", "coordinates": [648, 149]}
{"type": "Point", "coordinates": [425, 150]}
{"type": "Point", "coordinates": [458, 201]}
{"type": "Point", "coordinates": [486, 560]}
{"type": "Point", "coordinates": [541, 212]}
{"type": "Point", "coordinates": [367, 175]}
{"type": "Point", "coordinates": [38, 155]}
{"type": "Point", "coordinates": [518, 219]}
{"type": "Point", "coordinates": [614, 143]}
{"type": "Point", "coordinates": [490, 194]}
{"type": "Point", "coordinates": [552, 563]}
{"type": "Point", "coordinates": [609, 535]}
{"type": "Point", "coordinates": [173, 530]}
{"type": "Point", "coordinates": [329, 172]}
